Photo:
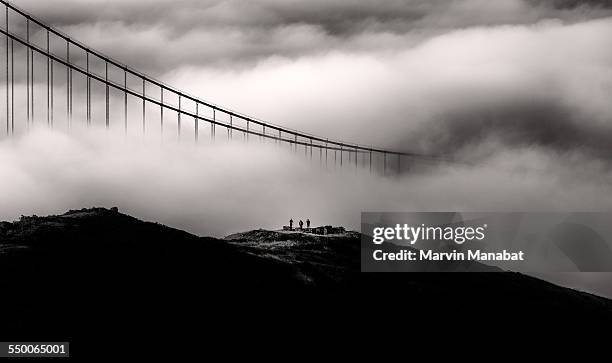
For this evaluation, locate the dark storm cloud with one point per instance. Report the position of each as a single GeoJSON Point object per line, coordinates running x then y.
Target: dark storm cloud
{"type": "Point", "coordinates": [335, 16]}
{"type": "Point", "coordinates": [527, 123]}
{"type": "Point", "coordinates": [238, 31]}
{"type": "Point", "coordinates": [572, 4]}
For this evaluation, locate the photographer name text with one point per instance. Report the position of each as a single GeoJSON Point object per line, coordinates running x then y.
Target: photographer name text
{"type": "Point", "coordinates": [429, 255]}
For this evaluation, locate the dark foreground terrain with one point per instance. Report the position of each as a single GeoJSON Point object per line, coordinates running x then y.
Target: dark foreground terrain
{"type": "Point", "coordinates": [99, 272]}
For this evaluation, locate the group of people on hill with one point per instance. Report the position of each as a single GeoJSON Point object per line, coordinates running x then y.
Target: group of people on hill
{"type": "Point", "coordinates": [300, 223]}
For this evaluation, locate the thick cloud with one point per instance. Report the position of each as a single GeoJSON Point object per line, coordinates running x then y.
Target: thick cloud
{"type": "Point", "coordinates": [220, 188]}
{"type": "Point", "coordinates": [547, 84]}
{"type": "Point", "coordinates": [467, 78]}
{"type": "Point", "coordinates": [470, 79]}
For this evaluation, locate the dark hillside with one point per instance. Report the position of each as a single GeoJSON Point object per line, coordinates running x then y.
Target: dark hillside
{"type": "Point", "coordinates": [97, 270]}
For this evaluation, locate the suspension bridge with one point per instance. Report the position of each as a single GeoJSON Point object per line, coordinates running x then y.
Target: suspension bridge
{"type": "Point", "coordinates": [49, 57]}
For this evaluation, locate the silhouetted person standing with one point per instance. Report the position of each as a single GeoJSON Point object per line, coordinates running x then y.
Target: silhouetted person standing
{"type": "Point", "coordinates": [301, 224]}
{"type": "Point", "coordinates": [308, 223]}
{"type": "Point", "coordinates": [291, 224]}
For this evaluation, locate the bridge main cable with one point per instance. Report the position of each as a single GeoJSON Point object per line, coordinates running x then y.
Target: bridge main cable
{"type": "Point", "coordinates": [156, 102]}
{"type": "Point", "coordinates": [295, 133]}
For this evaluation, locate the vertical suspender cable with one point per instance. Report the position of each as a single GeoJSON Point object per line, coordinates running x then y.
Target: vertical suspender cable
{"type": "Point", "coordinates": [179, 117]}
{"type": "Point", "coordinates": [107, 95]}
{"type": "Point", "coordinates": [320, 155]}
{"type": "Point", "coordinates": [32, 82]}
{"type": "Point", "coordinates": [212, 126]}
{"type": "Point", "coordinates": [399, 164]}
{"type": "Point", "coordinates": [384, 163]}
{"type": "Point", "coordinates": [28, 71]}
{"type": "Point", "coordinates": [88, 91]}
{"type": "Point", "coordinates": [70, 87]}
{"type": "Point", "coordinates": [143, 106]}
{"type": "Point", "coordinates": [7, 71]}
{"type": "Point", "coordinates": [125, 102]}
{"type": "Point", "coordinates": [12, 87]}
{"type": "Point", "coordinates": [48, 84]}
{"type": "Point", "coordinates": [310, 149]}
{"type": "Point", "coordinates": [161, 111]}
{"type": "Point", "coordinates": [197, 122]}
{"type": "Point", "coordinates": [230, 130]}
{"type": "Point", "coordinates": [51, 90]}
{"type": "Point", "coordinates": [326, 153]}
{"type": "Point", "coordinates": [68, 83]}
